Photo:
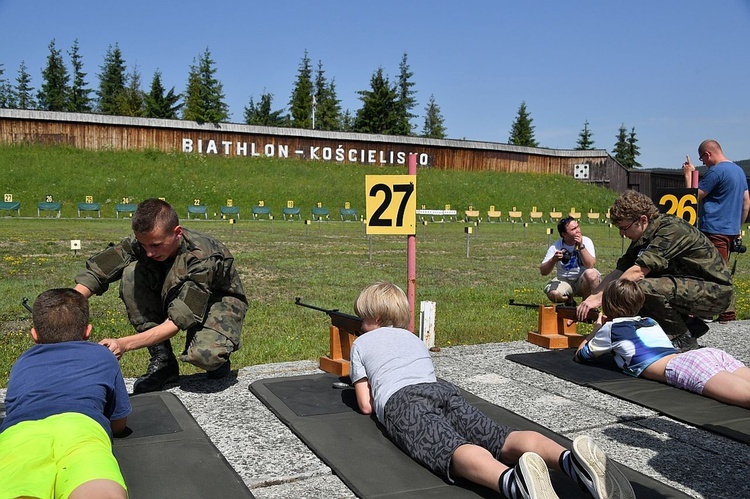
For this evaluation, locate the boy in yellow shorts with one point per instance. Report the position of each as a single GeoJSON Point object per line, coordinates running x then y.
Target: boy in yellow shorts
{"type": "Point", "coordinates": [66, 398]}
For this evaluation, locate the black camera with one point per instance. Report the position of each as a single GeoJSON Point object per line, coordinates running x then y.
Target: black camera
{"type": "Point", "coordinates": [565, 255]}
{"type": "Point", "coordinates": [737, 246]}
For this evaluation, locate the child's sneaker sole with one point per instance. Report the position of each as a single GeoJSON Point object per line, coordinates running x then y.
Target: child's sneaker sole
{"type": "Point", "coordinates": [609, 481]}
{"type": "Point", "coordinates": [535, 477]}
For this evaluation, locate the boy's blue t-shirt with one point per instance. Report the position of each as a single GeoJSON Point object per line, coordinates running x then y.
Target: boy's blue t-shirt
{"type": "Point", "coordinates": [635, 342]}
{"type": "Point", "coordinates": [72, 376]}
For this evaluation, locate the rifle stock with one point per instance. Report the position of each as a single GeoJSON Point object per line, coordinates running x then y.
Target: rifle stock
{"type": "Point", "coordinates": [569, 312]}
{"type": "Point", "coordinates": [344, 322]}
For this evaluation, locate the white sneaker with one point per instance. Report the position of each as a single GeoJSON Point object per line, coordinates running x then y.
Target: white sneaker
{"type": "Point", "coordinates": [605, 480]}
{"type": "Point", "coordinates": [532, 477]}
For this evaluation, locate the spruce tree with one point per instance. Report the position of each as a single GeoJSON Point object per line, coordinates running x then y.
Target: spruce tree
{"type": "Point", "coordinates": [584, 138]}
{"type": "Point", "coordinates": [204, 97]}
{"type": "Point", "coordinates": [194, 108]}
{"type": "Point", "coordinates": [7, 99]}
{"type": "Point", "coordinates": [112, 81]}
{"type": "Point", "coordinates": [261, 113]}
{"type": "Point", "coordinates": [159, 105]}
{"type": "Point", "coordinates": [347, 121]}
{"type": "Point", "coordinates": [379, 111]}
{"type": "Point", "coordinates": [301, 101]}
{"type": "Point", "coordinates": [80, 102]}
{"type": "Point", "coordinates": [633, 149]}
{"type": "Point", "coordinates": [522, 131]}
{"type": "Point", "coordinates": [434, 124]}
{"type": "Point", "coordinates": [621, 150]}
{"type": "Point", "coordinates": [327, 105]}
{"type": "Point", "coordinates": [406, 101]}
{"type": "Point", "coordinates": [55, 92]}
{"type": "Point", "coordinates": [217, 108]}
{"type": "Point", "coordinates": [131, 101]}
{"type": "Point", "coordinates": [24, 94]}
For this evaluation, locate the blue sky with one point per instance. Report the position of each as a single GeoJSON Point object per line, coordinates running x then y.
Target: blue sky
{"type": "Point", "coordinates": [677, 71]}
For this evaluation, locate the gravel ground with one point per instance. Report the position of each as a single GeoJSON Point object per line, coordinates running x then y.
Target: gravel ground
{"type": "Point", "coordinates": [274, 463]}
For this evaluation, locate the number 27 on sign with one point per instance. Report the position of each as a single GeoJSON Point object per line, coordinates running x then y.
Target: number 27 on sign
{"type": "Point", "coordinates": [391, 204]}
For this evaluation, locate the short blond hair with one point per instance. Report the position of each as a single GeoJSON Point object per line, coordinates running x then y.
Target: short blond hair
{"type": "Point", "coordinates": [385, 303]}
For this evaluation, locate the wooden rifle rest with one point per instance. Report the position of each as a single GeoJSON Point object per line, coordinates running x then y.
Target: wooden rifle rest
{"type": "Point", "coordinates": [553, 331]}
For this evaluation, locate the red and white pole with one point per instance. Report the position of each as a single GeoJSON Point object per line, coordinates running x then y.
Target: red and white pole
{"type": "Point", "coordinates": [411, 258]}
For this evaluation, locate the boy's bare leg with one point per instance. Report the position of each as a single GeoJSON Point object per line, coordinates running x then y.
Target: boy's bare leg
{"type": "Point", "coordinates": [730, 388]}
{"type": "Point", "coordinates": [530, 478]}
{"type": "Point", "coordinates": [519, 442]}
{"type": "Point", "coordinates": [743, 372]}
{"type": "Point", "coordinates": [101, 489]}
{"type": "Point", "coordinates": [477, 464]}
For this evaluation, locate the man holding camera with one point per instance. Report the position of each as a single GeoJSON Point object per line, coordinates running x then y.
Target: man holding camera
{"type": "Point", "coordinates": [574, 257]}
{"type": "Point", "coordinates": [723, 202]}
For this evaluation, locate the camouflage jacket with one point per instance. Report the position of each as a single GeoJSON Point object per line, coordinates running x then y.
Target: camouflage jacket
{"type": "Point", "coordinates": [202, 286]}
{"type": "Point", "coordinates": [671, 246]}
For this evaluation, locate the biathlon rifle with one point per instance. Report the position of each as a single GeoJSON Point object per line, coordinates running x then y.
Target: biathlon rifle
{"type": "Point", "coordinates": [345, 322]}
{"type": "Point", "coordinates": [564, 311]}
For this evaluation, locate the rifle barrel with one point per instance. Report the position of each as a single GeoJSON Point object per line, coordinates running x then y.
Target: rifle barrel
{"type": "Point", "coordinates": [527, 305]}
{"type": "Point", "coordinates": [298, 301]}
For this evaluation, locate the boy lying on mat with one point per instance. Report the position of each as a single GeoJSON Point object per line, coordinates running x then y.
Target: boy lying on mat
{"type": "Point", "coordinates": [66, 398]}
{"type": "Point", "coordinates": [430, 420]}
{"type": "Point", "coordinates": [641, 348]}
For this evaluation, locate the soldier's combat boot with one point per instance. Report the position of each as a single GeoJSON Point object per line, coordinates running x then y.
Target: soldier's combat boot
{"type": "Point", "coordinates": [221, 372]}
{"type": "Point", "coordinates": [684, 342]}
{"type": "Point", "coordinates": [162, 369]}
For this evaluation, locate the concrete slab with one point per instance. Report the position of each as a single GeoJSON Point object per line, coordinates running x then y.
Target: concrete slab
{"type": "Point", "coordinates": [274, 463]}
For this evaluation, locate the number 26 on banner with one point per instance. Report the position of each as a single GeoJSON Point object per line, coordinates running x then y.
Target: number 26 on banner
{"type": "Point", "coordinates": [682, 204]}
{"type": "Point", "coordinates": [391, 202]}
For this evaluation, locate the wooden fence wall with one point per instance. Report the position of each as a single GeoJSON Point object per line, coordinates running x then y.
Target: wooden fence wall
{"type": "Point", "coordinates": [91, 131]}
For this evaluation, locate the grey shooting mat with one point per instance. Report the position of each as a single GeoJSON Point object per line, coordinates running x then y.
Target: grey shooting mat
{"type": "Point", "coordinates": [356, 449]}
{"type": "Point", "coordinates": [166, 454]}
{"type": "Point", "coordinates": [604, 375]}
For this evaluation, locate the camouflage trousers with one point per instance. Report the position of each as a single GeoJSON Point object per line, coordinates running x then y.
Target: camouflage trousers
{"type": "Point", "coordinates": [206, 346]}
{"type": "Point", "coordinates": [671, 299]}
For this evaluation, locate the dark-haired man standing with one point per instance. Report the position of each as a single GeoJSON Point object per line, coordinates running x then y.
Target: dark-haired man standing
{"type": "Point", "coordinates": [171, 279]}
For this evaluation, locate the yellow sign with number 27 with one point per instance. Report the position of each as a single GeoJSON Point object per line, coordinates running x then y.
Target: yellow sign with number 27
{"type": "Point", "coordinates": [391, 204]}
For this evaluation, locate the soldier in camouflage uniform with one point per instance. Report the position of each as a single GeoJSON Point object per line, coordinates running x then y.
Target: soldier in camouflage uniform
{"type": "Point", "coordinates": [171, 279]}
{"type": "Point", "coordinates": [680, 271]}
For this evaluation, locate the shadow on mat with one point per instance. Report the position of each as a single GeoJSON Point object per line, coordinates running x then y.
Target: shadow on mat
{"type": "Point", "coordinates": [688, 469]}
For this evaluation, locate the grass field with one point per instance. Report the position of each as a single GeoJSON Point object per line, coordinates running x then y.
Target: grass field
{"type": "Point", "coordinates": [471, 278]}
